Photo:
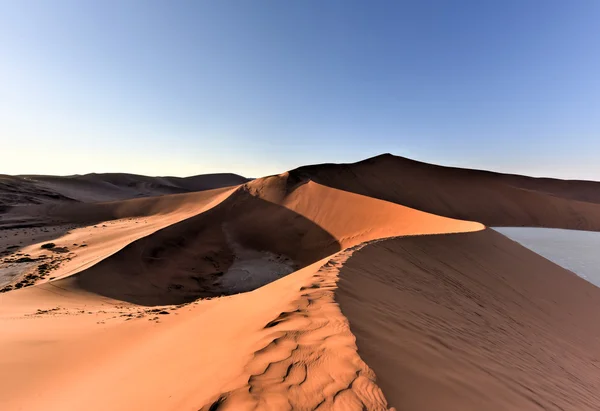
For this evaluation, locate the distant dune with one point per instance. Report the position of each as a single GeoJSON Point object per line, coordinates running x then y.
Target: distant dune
{"type": "Point", "coordinates": [38, 189]}
{"type": "Point", "coordinates": [371, 286]}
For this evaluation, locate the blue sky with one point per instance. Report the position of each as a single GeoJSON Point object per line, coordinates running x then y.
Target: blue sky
{"type": "Point", "coordinates": [260, 87]}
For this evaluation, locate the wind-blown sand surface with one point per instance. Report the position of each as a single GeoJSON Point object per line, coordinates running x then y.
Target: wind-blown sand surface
{"type": "Point", "coordinates": [475, 318]}
{"type": "Point", "coordinates": [139, 304]}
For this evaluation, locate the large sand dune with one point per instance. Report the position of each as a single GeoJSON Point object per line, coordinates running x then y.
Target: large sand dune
{"type": "Point", "coordinates": [284, 345]}
{"type": "Point", "coordinates": [491, 198]}
{"type": "Point", "coordinates": [192, 258]}
{"type": "Point", "coordinates": [228, 298]}
{"type": "Point", "coordinates": [477, 319]}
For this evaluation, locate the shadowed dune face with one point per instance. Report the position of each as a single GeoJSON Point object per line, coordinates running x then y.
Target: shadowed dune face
{"type": "Point", "coordinates": [491, 198]}
{"type": "Point", "coordinates": [16, 190]}
{"type": "Point", "coordinates": [189, 259]}
{"type": "Point", "coordinates": [477, 320]}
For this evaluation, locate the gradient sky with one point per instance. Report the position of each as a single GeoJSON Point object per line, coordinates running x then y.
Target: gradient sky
{"type": "Point", "coordinates": [260, 87]}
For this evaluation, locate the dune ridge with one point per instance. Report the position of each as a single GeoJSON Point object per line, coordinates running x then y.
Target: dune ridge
{"type": "Point", "coordinates": [493, 199]}
{"type": "Point", "coordinates": [310, 360]}
{"type": "Point", "coordinates": [247, 364]}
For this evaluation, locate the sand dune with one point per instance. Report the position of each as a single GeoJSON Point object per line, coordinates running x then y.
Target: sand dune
{"type": "Point", "coordinates": [111, 227]}
{"type": "Point", "coordinates": [90, 213]}
{"type": "Point", "coordinates": [17, 190]}
{"type": "Point", "coordinates": [192, 258]}
{"type": "Point", "coordinates": [37, 189]}
{"type": "Point", "coordinates": [493, 199]}
{"type": "Point", "coordinates": [475, 318]}
{"type": "Point", "coordinates": [307, 223]}
{"type": "Point", "coordinates": [228, 298]}
{"type": "Point", "coordinates": [283, 346]}
{"type": "Point", "coordinates": [292, 346]}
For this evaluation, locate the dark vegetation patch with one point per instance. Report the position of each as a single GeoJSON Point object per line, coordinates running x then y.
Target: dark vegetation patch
{"type": "Point", "coordinates": [42, 270]}
{"type": "Point", "coordinates": [25, 260]}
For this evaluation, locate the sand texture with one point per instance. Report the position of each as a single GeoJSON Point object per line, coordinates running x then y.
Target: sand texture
{"type": "Point", "coordinates": [475, 318]}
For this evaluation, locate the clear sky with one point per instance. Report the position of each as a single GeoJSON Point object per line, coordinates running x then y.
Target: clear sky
{"type": "Point", "coordinates": [260, 87]}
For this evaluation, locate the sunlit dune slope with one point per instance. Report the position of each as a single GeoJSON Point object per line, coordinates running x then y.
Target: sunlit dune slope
{"type": "Point", "coordinates": [473, 322]}
{"type": "Point", "coordinates": [493, 199]}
